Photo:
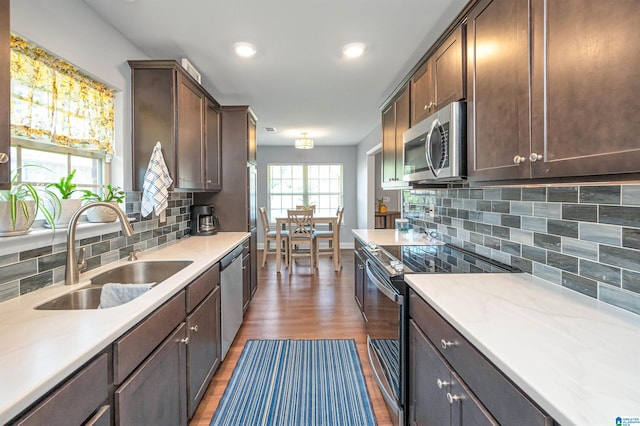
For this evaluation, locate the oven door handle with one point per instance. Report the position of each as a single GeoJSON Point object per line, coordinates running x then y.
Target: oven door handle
{"type": "Point", "coordinates": [386, 289]}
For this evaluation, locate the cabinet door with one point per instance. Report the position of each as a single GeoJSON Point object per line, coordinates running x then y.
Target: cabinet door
{"type": "Point", "coordinates": [422, 93]}
{"type": "Point", "coordinates": [498, 90]}
{"type": "Point", "coordinates": [212, 148]}
{"type": "Point", "coordinates": [585, 87]}
{"type": "Point", "coordinates": [4, 95]}
{"type": "Point", "coordinates": [429, 382]}
{"type": "Point", "coordinates": [203, 349]}
{"type": "Point", "coordinates": [252, 140]}
{"type": "Point", "coordinates": [448, 69]}
{"type": "Point", "coordinates": [359, 279]}
{"type": "Point", "coordinates": [246, 282]}
{"type": "Point", "coordinates": [155, 394]}
{"type": "Point", "coordinates": [189, 158]}
{"type": "Point", "coordinates": [465, 408]}
{"type": "Point", "coordinates": [402, 125]}
{"type": "Point", "coordinates": [389, 144]}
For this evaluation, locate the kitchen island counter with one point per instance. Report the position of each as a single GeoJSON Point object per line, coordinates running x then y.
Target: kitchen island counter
{"type": "Point", "coordinates": [575, 356]}
{"type": "Point", "coordinates": [42, 347]}
{"type": "Point", "coordinates": [391, 237]}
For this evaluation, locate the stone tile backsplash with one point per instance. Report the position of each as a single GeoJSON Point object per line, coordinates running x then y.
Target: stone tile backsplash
{"type": "Point", "coordinates": [583, 237]}
{"type": "Point", "coordinates": [30, 270]}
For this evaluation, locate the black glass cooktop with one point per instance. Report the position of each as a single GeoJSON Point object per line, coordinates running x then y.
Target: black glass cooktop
{"type": "Point", "coordinates": [444, 259]}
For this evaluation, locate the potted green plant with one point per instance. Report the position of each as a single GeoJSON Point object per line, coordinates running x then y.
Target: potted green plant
{"type": "Point", "coordinates": [113, 195]}
{"type": "Point", "coordinates": [68, 205]}
{"type": "Point", "coordinates": [19, 205]}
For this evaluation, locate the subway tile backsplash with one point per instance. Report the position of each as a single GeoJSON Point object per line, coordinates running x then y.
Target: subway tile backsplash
{"type": "Point", "coordinates": [582, 237]}
{"type": "Point", "coordinates": [33, 269]}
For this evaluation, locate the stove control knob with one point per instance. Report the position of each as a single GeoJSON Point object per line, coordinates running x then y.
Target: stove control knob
{"type": "Point", "coordinates": [399, 267]}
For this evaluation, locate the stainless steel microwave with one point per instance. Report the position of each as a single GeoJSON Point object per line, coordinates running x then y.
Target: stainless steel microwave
{"type": "Point", "coordinates": [435, 148]}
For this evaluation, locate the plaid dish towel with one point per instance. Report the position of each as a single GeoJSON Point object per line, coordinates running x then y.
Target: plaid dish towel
{"type": "Point", "coordinates": [155, 189]}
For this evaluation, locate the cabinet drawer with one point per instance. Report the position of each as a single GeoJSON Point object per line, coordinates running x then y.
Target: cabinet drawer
{"type": "Point", "coordinates": [101, 418]}
{"type": "Point", "coordinates": [75, 400]}
{"type": "Point", "coordinates": [503, 399]}
{"type": "Point", "coordinates": [130, 350]}
{"type": "Point", "coordinates": [201, 286]}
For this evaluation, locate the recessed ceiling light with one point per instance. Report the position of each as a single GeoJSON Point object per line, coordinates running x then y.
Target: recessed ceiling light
{"type": "Point", "coordinates": [353, 50]}
{"type": "Point", "coordinates": [244, 49]}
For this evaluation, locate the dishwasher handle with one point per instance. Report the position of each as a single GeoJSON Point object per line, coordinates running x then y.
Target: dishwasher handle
{"type": "Point", "coordinates": [228, 259]}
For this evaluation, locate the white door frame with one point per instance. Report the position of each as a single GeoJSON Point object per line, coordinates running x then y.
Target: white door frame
{"type": "Point", "coordinates": [371, 185]}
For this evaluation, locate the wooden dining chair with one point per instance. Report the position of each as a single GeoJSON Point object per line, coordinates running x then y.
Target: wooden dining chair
{"type": "Point", "coordinates": [270, 235]}
{"type": "Point", "coordinates": [301, 237]}
{"type": "Point", "coordinates": [332, 236]}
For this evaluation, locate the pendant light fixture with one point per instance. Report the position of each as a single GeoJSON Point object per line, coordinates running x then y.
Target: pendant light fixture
{"type": "Point", "coordinates": [304, 142]}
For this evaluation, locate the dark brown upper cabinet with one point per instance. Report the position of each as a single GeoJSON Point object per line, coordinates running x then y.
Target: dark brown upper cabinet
{"type": "Point", "coordinates": [169, 106]}
{"type": "Point", "coordinates": [552, 89]}
{"type": "Point", "coordinates": [395, 121]}
{"type": "Point", "coordinates": [440, 80]}
{"type": "Point", "coordinates": [585, 85]}
{"type": "Point", "coordinates": [498, 90]}
{"type": "Point", "coordinates": [5, 142]}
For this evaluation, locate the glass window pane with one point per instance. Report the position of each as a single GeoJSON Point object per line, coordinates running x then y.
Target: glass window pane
{"type": "Point", "coordinates": [87, 170]}
{"type": "Point", "coordinates": [53, 166]}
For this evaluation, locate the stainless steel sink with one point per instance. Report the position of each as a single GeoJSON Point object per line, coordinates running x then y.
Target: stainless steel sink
{"type": "Point", "coordinates": [131, 273]}
{"type": "Point", "coordinates": [83, 298]}
{"type": "Point", "coordinates": [141, 272]}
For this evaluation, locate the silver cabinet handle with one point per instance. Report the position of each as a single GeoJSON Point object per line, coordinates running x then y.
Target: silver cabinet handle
{"type": "Point", "coordinates": [519, 159]}
{"type": "Point", "coordinates": [426, 107]}
{"type": "Point", "coordinates": [442, 384]}
{"type": "Point", "coordinates": [446, 344]}
{"type": "Point", "coordinates": [208, 180]}
{"type": "Point", "coordinates": [194, 328]}
{"type": "Point", "coordinates": [3, 158]}
{"type": "Point", "coordinates": [453, 398]}
{"type": "Point", "coordinates": [361, 267]}
{"type": "Point", "coordinates": [535, 157]}
{"type": "Point", "coordinates": [185, 340]}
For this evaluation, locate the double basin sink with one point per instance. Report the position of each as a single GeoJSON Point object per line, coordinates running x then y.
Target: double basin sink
{"type": "Point", "coordinates": [131, 273]}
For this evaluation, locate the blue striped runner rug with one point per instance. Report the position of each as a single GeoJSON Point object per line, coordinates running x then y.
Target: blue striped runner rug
{"type": "Point", "coordinates": [296, 382]}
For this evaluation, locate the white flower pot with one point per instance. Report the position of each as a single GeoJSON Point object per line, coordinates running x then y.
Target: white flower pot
{"type": "Point", "coordinates": [102, 214]}
{"type": "Point", "coordinates": [23, 223]}
{"type": "Point", "coordinates": [67, 208]}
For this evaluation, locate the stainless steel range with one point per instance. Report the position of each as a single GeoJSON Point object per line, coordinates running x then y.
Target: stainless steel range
{"type": "Point", "coordinates": [386, 310]}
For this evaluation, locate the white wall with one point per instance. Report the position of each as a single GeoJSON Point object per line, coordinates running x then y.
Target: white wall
{"type": "Point", "coordinates": [318, 155]}
{"type": "Point", "coordinates": [71, 30]}
{"type": "Point", "coordinates": [372, 139]}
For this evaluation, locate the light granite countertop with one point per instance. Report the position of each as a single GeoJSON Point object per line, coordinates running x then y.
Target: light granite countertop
{"type": "Point", "coordinates": [576, 357]}
{"type": "Point", "coordinates": [41, 348]}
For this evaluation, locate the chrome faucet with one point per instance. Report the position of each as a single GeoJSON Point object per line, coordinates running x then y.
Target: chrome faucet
{"type": "Point", "coordinates": [71, 271]}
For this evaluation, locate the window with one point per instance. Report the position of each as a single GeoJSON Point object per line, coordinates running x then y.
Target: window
{"type": "Point", "coordinates": [61, 119]}
{"type": "Point", "coordinates": [291, 185]}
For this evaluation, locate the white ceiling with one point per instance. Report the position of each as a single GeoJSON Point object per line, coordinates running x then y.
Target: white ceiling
{"type": "Point", "coordinates": [298, 80]}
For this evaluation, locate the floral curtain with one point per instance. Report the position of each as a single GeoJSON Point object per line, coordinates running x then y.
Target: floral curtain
{"type": "Point", "coordinates": [52, 101]}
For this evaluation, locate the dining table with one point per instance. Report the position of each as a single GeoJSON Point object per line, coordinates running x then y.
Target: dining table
{"type": "Point", "coordinates": [328, 220]}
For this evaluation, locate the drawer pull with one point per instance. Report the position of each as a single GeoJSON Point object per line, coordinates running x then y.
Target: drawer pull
{"type": "Point", "coordinates": [446, 344]}
{"type": "Point", "coordinates": [442, 383]}
{"type": "Point", "coordinates": [194, 328]}
{"type": "Point", "coordinates": [453, 398]}
{"type": "Point", "coordinates": [185, 340]}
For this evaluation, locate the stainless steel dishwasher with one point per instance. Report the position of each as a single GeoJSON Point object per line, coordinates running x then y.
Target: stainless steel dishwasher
{"type": "Point", "coordinates": [230, 297]}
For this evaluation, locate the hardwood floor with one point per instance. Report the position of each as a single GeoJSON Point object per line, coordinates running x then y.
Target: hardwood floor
{"type": "Point", "coordinates": [303, 306]}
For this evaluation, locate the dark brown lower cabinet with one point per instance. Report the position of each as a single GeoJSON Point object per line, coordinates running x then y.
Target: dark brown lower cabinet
{"type": "Point", "coordinates": [76, 400]}
{"type": "Point", "coordinates": [155, 394]}
{"type": "Point", "coordinates": [203, 349]}
{"type": "Point", "coordinates": [359, 279]}
{"type": "Point", "coordinates": [437, 396]}
{"type": "Point", "coordinates": [101, 418]}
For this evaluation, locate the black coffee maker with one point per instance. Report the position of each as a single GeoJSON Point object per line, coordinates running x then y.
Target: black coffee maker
{"type": "Point", "coordinates": [203, 222]}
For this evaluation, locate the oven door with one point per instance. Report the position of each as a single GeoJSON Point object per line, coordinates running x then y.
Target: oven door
{"type": "Point", "coordinates": [384, 310]}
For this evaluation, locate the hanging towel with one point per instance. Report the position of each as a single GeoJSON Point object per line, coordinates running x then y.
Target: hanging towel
{"type": "Point", "coordinates": [115, 294]}
{"type": "Point", "coordinates": [157, 181]}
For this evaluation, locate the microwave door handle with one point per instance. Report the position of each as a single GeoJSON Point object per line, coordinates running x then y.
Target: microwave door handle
{"type": "Point", "coordinates": [427, 147]}
{"type": "Point", "coordinates": [384, 288]}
